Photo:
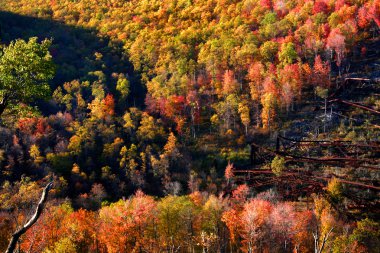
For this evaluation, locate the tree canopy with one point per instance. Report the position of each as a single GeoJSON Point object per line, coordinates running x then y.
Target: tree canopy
{"type": "Point", "coordinates": [26, 67]}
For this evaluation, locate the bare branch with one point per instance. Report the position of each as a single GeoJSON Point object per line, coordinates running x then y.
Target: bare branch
{"type": "Point", "coordinates": [16, 236]}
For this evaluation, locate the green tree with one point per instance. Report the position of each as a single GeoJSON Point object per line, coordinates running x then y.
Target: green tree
{"type": "Point", "coordinates": [287, 54]}
{"type": "Point", "coordinates": [278, 165]}
{"type": "Point", "coordinates": [122, 86]}
{"type": "Point", "coordinates": [25, 70]}
{"type": "Point", "coordinates": [269, 50]}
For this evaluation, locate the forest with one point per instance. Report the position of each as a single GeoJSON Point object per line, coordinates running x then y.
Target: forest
{"type": "Point", "coordinates": [190, 126]}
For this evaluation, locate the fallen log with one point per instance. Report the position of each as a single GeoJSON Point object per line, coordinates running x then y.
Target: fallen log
{"type": "Point", "coordinates": [354, 105]}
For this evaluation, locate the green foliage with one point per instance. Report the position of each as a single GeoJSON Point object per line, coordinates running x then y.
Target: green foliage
{"type": "Point", "coordinates": [269, 50]}
{"type": "Point", "coordinates": [278, 165]}
{"type": "Point", "coordinates": [61, 162]}
{"type": "Point", "coordinates": [367, 233]}
{"type": "Point", "coordinates": [172, 211]}
{"type": "Point", "coordinates": [149, 128]}
{"type": "Point", "coordinates": [321, 92]}
{"type": "Point", "coordinates": [226, 64]}
{"type": "Point", "coordinates": [122, 86]}
{"type": "Point", "coordinates": [287, 54]}
{"type": "Point", "coordinates": [25, 70]}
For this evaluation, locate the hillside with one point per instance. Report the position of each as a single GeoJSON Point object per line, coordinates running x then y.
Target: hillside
{"type": "Point", "coordinates": [191, 125]}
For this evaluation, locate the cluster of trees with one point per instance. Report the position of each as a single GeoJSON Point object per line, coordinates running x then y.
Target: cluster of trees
{"type": "Point", "coordinates": [199, 222]}
{"type": "Point", "coordinates": [203, 68]}
{"type": "Point", "coordinates": [227, 65]}
{"type": "Point", "coordinates": [236, 63]}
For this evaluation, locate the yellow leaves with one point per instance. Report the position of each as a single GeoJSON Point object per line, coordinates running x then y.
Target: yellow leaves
{"type": "Point", "coordinates": [170, 145]}
{"type": "Point", "coordinates": [243, 109]}
{"type": "Point", "coordinates": [214, 119]}
{"type": "Point", "coordinates": [149, 128]}
{"type": "Point", "coordinates": [335, 189]}
{"type": "Point", "coordinates": [34, 151]}
{"type": "Point", "coordinates": [278, 165]}
{"type": "Point", "coordinates": [287, 54]}
{"type": "Point", "coordinates": [268, 113]}
{"type": "Point", "coordinates": [75, 144]}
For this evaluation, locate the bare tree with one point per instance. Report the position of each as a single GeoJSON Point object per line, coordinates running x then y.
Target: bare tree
{"type": "Point", "coordinates": [16, 235]}
{"type": "Point", "coordinates": [317, 247]}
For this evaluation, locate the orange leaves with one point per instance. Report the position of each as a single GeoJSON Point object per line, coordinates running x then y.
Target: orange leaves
{"type": "Point", "coordinates": [103, 109]}
{"type": "Point", "coordinates": [229, 173]}
{"type": "Point", "coordinates": [240, 194]}
{"type": "Point", "coordinates": [291, 82]}
{"type": "Point", "coordinates": [254, 219]}
{"type": "Point", "coordinates": [81, 228]}
{"type": "Point", "coordinates": [375, 11]}
{"type": "Point", "coordinates": [232, 220]}
{"type": "Point", "coordinates": [124, 225]}
{"type": "Point", "coordinates": [33, 126]}
{"type": "Point", "coordinates": [255, 77]}
{"type": "Point", "coordinates": [109, 105]}
{"type": "Point", "coordinates": [230, 85]}
{"type": "Point", "coordinates": [321, 72]}
{"type": "Point", "coordinates": [363, 17]}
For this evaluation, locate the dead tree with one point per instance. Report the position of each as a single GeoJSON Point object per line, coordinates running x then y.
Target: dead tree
{"type": "Point", "coordinates": [317, 247]}
{"type": "Point", "coordinates": [16, 235]}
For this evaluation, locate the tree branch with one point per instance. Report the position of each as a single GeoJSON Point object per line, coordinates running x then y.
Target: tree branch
{"type": "Point", "coordinates": [16, 236]}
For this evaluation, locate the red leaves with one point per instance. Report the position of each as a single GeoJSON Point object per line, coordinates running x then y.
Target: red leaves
{"type": "Point", "coordinates": [33, 126]}
{"type": "Point", "coordinates": [109, 105]}
{"type": "Point", "coordinates": [363, 17]}
{"type": "Point", "coordinates": [124, 224]}
{"type": "Point", "coordinates": [240, 194]}
{"type": "Point", "coordinates": [321, 71]}
{"type": "Point", "coordinates": [230, 84]}
{"type": "Point", "coordinates": [267, 4]}
{"type": "Point", "coordinates": [320, 6]}
{"type": "Point", "coordinates": [375, 11]}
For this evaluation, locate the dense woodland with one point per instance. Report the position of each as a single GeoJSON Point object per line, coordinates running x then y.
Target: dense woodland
{"type": "Point", "coordinates": [191, 125]}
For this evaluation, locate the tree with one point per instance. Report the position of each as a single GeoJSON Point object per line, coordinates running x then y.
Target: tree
{"type": "Point", "coordinates": [25, 70]}
{"type": "Point", "coordinates": [229, 172]}
{"type": "Point", "coordinates": [323, 93]}
{"type": "Point", "coordinates": [122, 86]}
{"type": "Point", "coordinates": [321, 72]}
{"type": "Point", "coordinates": [254, 224]}
{"type": "Point", "coordinates": [367, 233]}
{"type": "Point", "coordinates": [290, 79]}
{"type": "Point", "coordinates": [269, 50]}
{"type": "Point", "coordinates": [278, 165]}
{"type": "Point", "coordinates": [335, 189]}
{"type": "Point", "coordinates": [336, 42]}
{"type": "Point", "coordinates": [256, 78]}
{"type": "Point", "coordinates": [230, 84]}
{"type": "Point", "coordinates": [269, 102]}
{"type": "Point", "coordinates": [126, 226]}
{"type": "Point", "coordinates": [176, 220]}
{"type": "Point", "coordinates": [283, 220]}
{"type": "Point", "coordinates": [243, 109]}
{"type": "Point", "coordinates": [149, 128]}
{"type": "Point", "coordinates": [287, 54]}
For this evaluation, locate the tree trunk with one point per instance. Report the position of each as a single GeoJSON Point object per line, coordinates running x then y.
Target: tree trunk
{"type": "Point", "coordinates": [16, 236]}
{"type": "Point", "coordinates": [3, 105]}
